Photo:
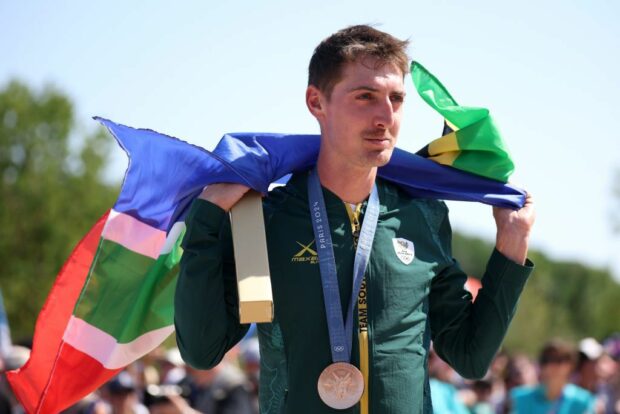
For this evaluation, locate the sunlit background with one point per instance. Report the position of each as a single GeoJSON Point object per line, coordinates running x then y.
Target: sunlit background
{"type": "Point", "coordinates": [194, 70]}
{"type": "Point", "coordinates": [548, 71]}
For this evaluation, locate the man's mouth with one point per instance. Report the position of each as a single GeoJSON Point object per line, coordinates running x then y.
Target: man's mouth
{"type": "Point", "coordinates": [378, 143]}
{"type": "Point", "coordinates": [375, 135]}
{"type": "Point", "coordinates": [381, 138]}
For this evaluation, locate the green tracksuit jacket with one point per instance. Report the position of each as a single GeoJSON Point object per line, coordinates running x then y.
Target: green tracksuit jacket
{"type": "Point", "coordinates": [408, 304]}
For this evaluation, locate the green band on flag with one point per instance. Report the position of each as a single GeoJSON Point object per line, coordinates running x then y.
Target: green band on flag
{"type": "Point", "coordinates": [472, 142]}
{"type": "Point", "coordinates": [129, 294]}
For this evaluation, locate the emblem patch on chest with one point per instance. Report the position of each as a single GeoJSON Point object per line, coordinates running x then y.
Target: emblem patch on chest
{"type": "Point", "coordinates": [404, 250]}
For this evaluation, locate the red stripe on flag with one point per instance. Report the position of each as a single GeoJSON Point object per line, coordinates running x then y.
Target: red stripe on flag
{"type": "Point", "coordinates": [75, 375]}
{"type": "Point", "coordinates": [30, 383]}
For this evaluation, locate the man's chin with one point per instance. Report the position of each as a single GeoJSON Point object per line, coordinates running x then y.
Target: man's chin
{"type": "Point", "coordinates": [381, 158]}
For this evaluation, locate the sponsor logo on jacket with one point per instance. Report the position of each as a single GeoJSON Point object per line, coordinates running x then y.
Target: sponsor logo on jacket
{"type": "Point", "coordinates": [306, 255]}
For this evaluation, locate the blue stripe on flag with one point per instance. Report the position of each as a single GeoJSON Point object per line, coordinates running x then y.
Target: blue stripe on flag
{"type": "Point", "coordinates": [165, 174]}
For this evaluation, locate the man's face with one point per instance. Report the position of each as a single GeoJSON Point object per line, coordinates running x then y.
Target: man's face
{"type": "Point", "coordinates": [555, 369]}
{"type": "Point", "coordinates": [361, 119]}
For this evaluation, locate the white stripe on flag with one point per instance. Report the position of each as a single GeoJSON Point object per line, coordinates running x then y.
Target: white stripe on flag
{"type": "Point", "coordinates": [177, 229]}
{"type": "Point", "coordinates": [105, 348]}
{"type": "Point", "coordinates": [133, 234]}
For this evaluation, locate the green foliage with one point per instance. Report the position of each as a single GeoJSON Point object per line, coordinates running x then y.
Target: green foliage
{"type": "Point", "coordinates": [561, 299]}
{"type": "Point", "coordinates": [615, 210]}
{"type": "Point", "coordinates": [51, 193]}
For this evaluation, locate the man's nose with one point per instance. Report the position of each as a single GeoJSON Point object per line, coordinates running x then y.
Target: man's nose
{"type": "Point", "coordinates": [384, 115]}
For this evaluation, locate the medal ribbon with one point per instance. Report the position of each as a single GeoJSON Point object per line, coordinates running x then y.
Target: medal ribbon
{"type": "Point", "coordinates": [340, 332]}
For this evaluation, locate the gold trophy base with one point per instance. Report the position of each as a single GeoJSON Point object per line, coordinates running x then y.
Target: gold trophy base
{"type": "Point", "coordinates": [251, 260]}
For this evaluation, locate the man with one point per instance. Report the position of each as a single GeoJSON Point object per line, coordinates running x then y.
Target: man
{"type": "Point", "coordinates": [412, 289]}
{"type": "Point", "coordinates": [221, 390]}
{"type": "Point", "coordinates": [554, 394]}
{"type": "Point", "coordinates": [446, 398]}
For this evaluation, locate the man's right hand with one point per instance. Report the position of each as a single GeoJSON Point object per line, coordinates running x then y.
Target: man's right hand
{"type": "Point", "coordinates": [224, 195]}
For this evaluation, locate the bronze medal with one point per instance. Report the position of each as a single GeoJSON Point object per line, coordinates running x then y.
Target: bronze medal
{"type": "Point", "coordinates": [341, 385]}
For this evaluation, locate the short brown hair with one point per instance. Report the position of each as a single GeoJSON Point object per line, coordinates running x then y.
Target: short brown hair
{"type": "Point", "coordinates": [350, 44]}
{"type": "Point", "coordinates": [558, 351]}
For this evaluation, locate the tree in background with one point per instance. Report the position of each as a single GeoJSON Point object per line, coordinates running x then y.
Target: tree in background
{"type": "Point", "coordinates": [561, 299]}
{"type": "Point", "coordinates": [51, 192]}
{"type": "Point", "coordinates": [615, 212]}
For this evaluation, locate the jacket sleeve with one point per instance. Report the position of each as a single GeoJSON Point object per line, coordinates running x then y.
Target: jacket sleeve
{"type": "Point", "coordinates": [206, 311]}
{"type": "Point", "coordinates": [467, 335]}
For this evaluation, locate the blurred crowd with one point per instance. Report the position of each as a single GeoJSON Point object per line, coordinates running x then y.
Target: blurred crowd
{"type": "Point", "coordinates": [564, 378]}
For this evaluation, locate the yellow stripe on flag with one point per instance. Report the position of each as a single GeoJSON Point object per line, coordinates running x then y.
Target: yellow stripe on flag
{"type": "Point", "coordinates": [446, 158]}
{"type": "Point", "coordinates": [447, 143]}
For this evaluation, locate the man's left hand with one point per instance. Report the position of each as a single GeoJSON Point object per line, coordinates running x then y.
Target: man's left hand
{"type": "Point", "coordinates": [513, 230]}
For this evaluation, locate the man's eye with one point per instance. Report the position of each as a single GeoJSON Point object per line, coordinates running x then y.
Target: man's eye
{"type": "Point", "coordinates": [398, 98]}
{"type": "Point", "coordinates": [364, 96]}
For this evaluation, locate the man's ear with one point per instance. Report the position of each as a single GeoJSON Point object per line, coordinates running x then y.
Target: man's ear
{"type": "Point", "coordinates": [315, 101]}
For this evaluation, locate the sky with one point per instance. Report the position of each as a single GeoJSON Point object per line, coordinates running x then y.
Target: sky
{"type": "Point", "coordinates": [548, 71]}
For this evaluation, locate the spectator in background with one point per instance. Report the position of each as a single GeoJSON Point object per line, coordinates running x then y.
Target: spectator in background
{"type": "Point", "coordinates": [15, 358]}
{"type": "Point", "coordinates": [482, 390]}
{"type": "Point", "coordinates": [610, 372]}
{"type": "Point", "coordinates": [249, 360]}
{"type": "Point", "coordinates": [444, 395]}
{"type": "Point", "coordinates": [590, 372]}
{"type": "Point", "coordinates": [121, 393]}
{"type": "Point", "coordinates": [497, 373]}
{"type": "Point", "coordinates": [520, 371]}
{"type": "Point", "coordinates": [167, 399]}
{"type": "Point", "coordinates": [220, 390]}
{"type": "Point", "coordinates": [91, 404]}
{"type": "Point", "coordinates": [554, 394]}
{"type": "Point", "coordinates": [586, 373]}
{"type": "Point", "coordinates": [172, 367]}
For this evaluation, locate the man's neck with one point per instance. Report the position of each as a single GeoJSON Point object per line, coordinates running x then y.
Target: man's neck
{"type": "Point", "coordinates": [553, 389]}
{"type": "Point", "coordinates": [350, 184]}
